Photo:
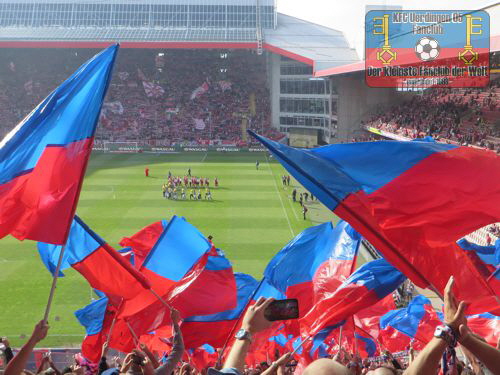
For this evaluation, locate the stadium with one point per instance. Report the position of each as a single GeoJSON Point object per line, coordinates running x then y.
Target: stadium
{"type": "Point", "coordinates": [188, 94]}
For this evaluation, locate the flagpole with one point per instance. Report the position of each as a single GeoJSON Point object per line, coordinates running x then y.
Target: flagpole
{"type": "Point", "coordinates": [160, 299]}
{"type": "Point", "coordinates": [54, 283]}
{"type": "Point", "coordinates": [340, 337]}
{"type": "Point", "coordinates": [136, 339]}
{"type": "Point", "coordinates": [110, 333]}
{"type": "Point", "coordinates": [221, 353]}
{"type": "Point", "coordinates": [300, 345]}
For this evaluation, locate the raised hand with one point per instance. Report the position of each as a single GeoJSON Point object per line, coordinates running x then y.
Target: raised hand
{"type": "Point", "coordinates": [254, 320]}
{"type": "Point", "coordinates": [175, 316]}
{"type": "Point", "coordinates": [40, 331]}
{"type": "Point", "coordinates": [454, 311]}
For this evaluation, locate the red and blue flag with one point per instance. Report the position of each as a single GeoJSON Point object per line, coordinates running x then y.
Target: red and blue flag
{"type": "Point", "coordinates": [418, 320]}
{"type": "Point", "coordinates": [215, 329]}
{"type": "Point", "coordinates": [104, 268]}
{"type": "Point", "coordinates": [485, 325]}
{"type": "Point", "coordinates": [44, 158]}
{"type": "Point", "coordinates": [99, 320]}
{"type": "Point", "coordinates": [143, 241]}
{"type": "Point", "coordinates": [365, 287]}
{"type": "Point", "coordinates": [175, 261]}
{"type": "Point", "coordinates": [318, 256]}
{"type": "Point", "coordinates": [411, 200]}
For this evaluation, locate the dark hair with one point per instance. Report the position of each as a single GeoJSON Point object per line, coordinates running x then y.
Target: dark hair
{"type": "Point", "coordinates": [66, 370]}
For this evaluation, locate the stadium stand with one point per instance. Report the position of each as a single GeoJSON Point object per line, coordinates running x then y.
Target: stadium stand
{"type": "Point", "coordinates": [152, 97]}
{"type": "Point", "coordinates": [466, 116]}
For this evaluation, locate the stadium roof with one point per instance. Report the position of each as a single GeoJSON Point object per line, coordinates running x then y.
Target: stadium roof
{"type": "Point", "coordinates": [316, 45]}
{"type": "Point", "coordinates": [312, 44]}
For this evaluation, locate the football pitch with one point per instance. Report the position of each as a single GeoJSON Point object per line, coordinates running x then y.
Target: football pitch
{"type": "Point", "coordinates": [251, 217]}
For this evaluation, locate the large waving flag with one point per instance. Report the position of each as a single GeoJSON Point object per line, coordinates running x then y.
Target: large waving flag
{"type": "Point", "coordinates": [365, 287]}
{"type": "Point", "coordinates": [143, 241]}
{"type": "Point", "coordinates": [418, 320]}
{"type": "Point", "coordinates": [368, 319]}
{"type": "Point", "coordinates": [43, 159]}
{"type": "Point", "coordinates": [213, 291]}
{"type": "Point", "coordinates": [104, 268]}
{"type": "Point", "coordinates": [214, 329]}
{"type": "Point", "coordinates": [488, 254]}
{"type": "Point", "coordinates": [411, 200]}
{"type": "Point", "coordinates": [318, 256]}
{"type": "Point", "coordinates": [366, 345]}
{"type": "Point", "coordinates": [176, 260]}
{"type": "Point", "coordinates": [99, 321]}
{"type": "Point", "coordinates": [485, 325]}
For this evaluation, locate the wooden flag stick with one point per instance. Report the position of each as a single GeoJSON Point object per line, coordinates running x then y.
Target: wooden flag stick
{"type": "Point", "coordinates": [136, 339]}
{"type": "Point", "coordinates": [54, 284]}
{"type": "Point", "coordinates": [160, 298]}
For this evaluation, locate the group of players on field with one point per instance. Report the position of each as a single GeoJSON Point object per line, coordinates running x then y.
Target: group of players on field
{"type": "Point", "coordinates": [176, 187]}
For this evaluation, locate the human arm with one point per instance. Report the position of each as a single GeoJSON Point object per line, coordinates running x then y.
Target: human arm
{"type": "Point", "coordinates": [43, 364]}
{"type": "Point", "coordinates": [254, 321]}
{"type": "Point", "coordinates": [18, 363]}
{"type": "Point", "coordinates": [277, 366]}
{"type": "Point", "coordinates": [127, 362]}
{"type": "Point", "coordinates": [53, 366]}
{"type": "Point", "coordinates": [177, 349]}
{"type": "Point", "coordinates": [393, 361]}
{"type": "Point", "coordinates": [428, 359]}
{"type": "Point", "coordinates": [486, 354]}
{"type": "Point", "coordinates": [151, 356]}
{"type": "Point", "coordinates": [103, 364]}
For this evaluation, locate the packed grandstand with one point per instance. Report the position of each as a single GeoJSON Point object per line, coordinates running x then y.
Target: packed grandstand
{"type": "Point", "coordinates": [407, 284]}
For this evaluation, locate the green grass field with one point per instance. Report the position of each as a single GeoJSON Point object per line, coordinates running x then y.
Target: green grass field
{"type": "Point", "coordinates": [251, 217]}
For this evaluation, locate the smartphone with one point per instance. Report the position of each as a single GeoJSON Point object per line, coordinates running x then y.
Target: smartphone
{"type": "Point", "coordinates": [283, 309]}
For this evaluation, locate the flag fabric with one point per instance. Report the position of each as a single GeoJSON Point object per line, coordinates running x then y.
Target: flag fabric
{"type": "Point", "coordinates": [174, 262]}
{"type": "Point", "coordinates": [418, 320]}
{"type": "Point", "coordinates": [213, 291]}
{"type": "Point", "coordinates": [319, 256]}
{"type": "Point", "coordinates": [225, 85]}
{"type": "Point", "coordinates": [143, 241]}
{"type": "Point", "coordinates": [199, 124]}
{"type": "Point", "coordinates": [97, 319]}
{"type": "Point", "coordinates": [320, 339]}
{"type": "Point", "coordinates": [411, 200]}
{"type": "Point", "coordinates": [203, 357]}
{"type": "Point", "coordinates": [92, 318]}
{"type": "Point", "coordinates": [366, 346]}
{"type": "Point", "coordinates": [199, 91]}
{"type": "Point", "coordinates": [152, 90]}
{"type": "Point", "coordinates": [366, 286]}
{"type": "Point", "coordinates": [485, 325]}
{"type": "Point", "coordinates": [104, 268]}
{"type": "Point", "coordinates": [43, 159]}
{"type": "Point", "coordinates": [368, 320]}
{"type": "Point", "coordinates": [490, 255]}
{"type": "Point", "coordinates": [214, 329]}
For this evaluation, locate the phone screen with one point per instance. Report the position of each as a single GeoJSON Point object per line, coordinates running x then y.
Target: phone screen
{"type": "Point", "coordinates": [282, 310]}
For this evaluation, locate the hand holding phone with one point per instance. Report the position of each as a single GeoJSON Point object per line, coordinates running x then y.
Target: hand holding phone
{"type": "Point", "coordinates": [284, 309]}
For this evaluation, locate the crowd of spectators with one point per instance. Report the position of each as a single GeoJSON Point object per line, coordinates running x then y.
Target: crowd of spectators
{"type": "Point", "coordinates": [438, 356]}
{"type": "Point", "coordinates": [151, 94]}
{"type": "Point", "coordinates": [467, 116]}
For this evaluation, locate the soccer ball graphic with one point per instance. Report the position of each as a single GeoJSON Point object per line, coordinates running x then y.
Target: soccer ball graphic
{"type": "Point", "coordinates": [427, 48]}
